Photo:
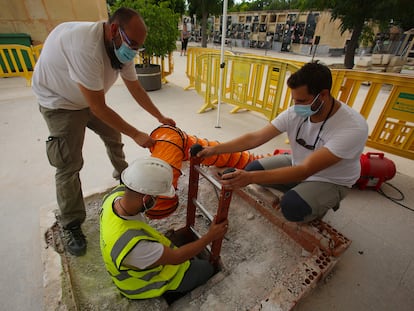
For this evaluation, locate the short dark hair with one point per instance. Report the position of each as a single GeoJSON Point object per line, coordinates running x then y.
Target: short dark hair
{"type": "Point", "coordinates": [122, 16]}
{"type": "Point", "coordinates": [315, 76]}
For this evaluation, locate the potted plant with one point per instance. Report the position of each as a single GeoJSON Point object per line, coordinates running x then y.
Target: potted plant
{"type": "Point", "coordinates": [161, 22]}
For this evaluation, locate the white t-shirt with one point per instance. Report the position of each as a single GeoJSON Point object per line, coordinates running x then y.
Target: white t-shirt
{"type": "Point", "coordinates": [145, 253]}
{"type": "Point", "coordinates": [344, 134]}
{"type": "Point", "coordinates": [74, 52]}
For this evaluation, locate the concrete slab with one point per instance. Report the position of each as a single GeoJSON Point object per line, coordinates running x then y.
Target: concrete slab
{"type": "Point", "coordinates": [244, 261]}
{"type": "Point", "coordinates": [375, 273]}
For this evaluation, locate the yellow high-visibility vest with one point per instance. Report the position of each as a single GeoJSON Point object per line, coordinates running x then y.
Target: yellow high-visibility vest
{"type": "Point", "coordinates": [117, 238]}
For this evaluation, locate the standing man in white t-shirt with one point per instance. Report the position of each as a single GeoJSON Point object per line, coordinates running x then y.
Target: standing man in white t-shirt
{"type": "Point", "coordinates": [79, 63]}
{"type": "Point", "coordinates": [327, 138]}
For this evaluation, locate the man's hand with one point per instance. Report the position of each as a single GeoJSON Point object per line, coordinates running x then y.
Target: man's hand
{"type": "Point", "coordinates": [143, 139]}
{"type": "Point", "coordinates": [236, 179]}
{"type": "Point", "coordinates": [167, 121]}
{"type": "Point", "coordinates": [206, 152]}
{"type": "Point", "coordinates": [175, 256]}
{"type": "Point", "coordinates": [217, 231]}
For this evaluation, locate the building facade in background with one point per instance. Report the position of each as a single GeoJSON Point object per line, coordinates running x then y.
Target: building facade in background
{"type": "Point", "coordinates": [38, 17]}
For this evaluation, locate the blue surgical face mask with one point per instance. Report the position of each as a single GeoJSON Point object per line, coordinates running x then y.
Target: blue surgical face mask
{"type": "Point", "coordinates": [305, 111]}
{"type": "Point", "coordinates": [124, 53]}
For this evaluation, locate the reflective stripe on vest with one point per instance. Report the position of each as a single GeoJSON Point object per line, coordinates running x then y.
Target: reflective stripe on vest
{"type": "Point", "coordinates": [122, 242]}
{"type": "Point", "coordinates": [125, 239]}
{"type": "Point", "coordinates": [118, 238]}
{"type": "Point", "coordinates": [123, 275]}
{"type": "Point", "coordinates": [147, 288]}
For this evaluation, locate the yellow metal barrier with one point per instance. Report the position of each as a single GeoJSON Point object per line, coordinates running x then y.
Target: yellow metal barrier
{"type": "Point", "coordinates": [387, 101]}
{"type": "Point", "coordinates": [191, 66]}
{"type": "Point", "coordinates": [294, 62]}
{"type": "Point", "coordinates": [17, 61]}
{"type": "Point", "coordinates": [166, 63]}
{"type": "Point", "coordinates": [251, 83]}
{"type": "Point", "coordinates": [259, 84]}
{"type": "Point", "coordinates": [36, 51]}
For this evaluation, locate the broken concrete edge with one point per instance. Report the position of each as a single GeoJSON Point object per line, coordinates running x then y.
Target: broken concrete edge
{"type": "Point", "coordinates": [57, 275]}
{"type": "Point", "coordinates": [316, 234]}
{"type": "Point", "coordinates": [324, 243]}
{"type": "Point", "coordinates": [53, 263]}
{"type": "Point", "coordinates": [297, 284]}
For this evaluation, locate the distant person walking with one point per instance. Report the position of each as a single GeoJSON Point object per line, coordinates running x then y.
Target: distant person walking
{"type": "Point", "coordinates": [185, 35]}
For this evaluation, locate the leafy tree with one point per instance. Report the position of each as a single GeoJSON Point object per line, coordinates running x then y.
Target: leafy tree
{"type": "Point", "coordinates": [283, 5]}
{"type": "Point", "coordinates": [243, 6]}
{"type": "Point", "coordinates": [355, 13]}
{"type": "Point", "coordinates": [178, 6]}
{"type": "Point", "coordinates": [367, 36]}
{"type": "Point", "coordinates": [202, 9]}
{"type": "Point", "coordinates": [260, 5]}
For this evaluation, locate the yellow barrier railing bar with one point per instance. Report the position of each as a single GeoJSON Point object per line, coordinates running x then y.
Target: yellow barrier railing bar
{"type": "Point", "coordinates": [259, 84]}
{"type": "Point", "coordinates": [394, 131]}
{"type": "Point", "coordinates": [370, 98]}
{"type": "Point", "coordinates": [337, 87]}
{"type": "Point", "coordinates": [250, 83]}
{"type": "Point", "coordinates": [267, 85]}
{"type": "Point", "coordinates": [36, 51]}
{"type": "Point", "coordinates": [207, 83]}
{"type": "Point", "coordinates": [293, 62]}
{"type": "Point", "coordinates": [191, 65]}
{"type": "Point", "coordinates": [17, 60]}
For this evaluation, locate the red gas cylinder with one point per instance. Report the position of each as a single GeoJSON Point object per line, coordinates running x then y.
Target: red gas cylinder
{"type": "Point", "coordinates": [375, 169]}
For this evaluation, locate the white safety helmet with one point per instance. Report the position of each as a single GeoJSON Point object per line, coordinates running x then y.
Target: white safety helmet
{"type": "Point", "coordinates": [149, 175]}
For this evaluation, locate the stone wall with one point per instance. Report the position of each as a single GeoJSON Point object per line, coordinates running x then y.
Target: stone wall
{"type": "Point", "coordinates": [330, 32]}
{"type": "Point", "coordinates": [38, 17]}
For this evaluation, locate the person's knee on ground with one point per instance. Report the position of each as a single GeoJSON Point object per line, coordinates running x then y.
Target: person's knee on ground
{"type": "Point", "coordinates": [293, 207]}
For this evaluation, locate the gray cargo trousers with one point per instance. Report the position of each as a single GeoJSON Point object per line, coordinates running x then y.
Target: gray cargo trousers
{"type": "Point", "coordinates": [302, 201]}
{"type": "Point", "coordinates": [64, 151]}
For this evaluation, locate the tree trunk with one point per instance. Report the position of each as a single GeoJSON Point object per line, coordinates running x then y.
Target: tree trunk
{"type": "Point", "coordinates": [204, 17]}
{"type": "Point", "coordinates": [352, 45]}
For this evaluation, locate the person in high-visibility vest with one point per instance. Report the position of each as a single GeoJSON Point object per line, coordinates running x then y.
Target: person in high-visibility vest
{"type": "Point", "coordinates": [142, 262]}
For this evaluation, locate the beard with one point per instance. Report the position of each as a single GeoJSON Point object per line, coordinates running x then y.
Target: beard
{"type": "Point", "coordinates": [115, 63]}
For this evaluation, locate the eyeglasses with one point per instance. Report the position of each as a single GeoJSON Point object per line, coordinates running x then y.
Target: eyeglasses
{"type": "Point", "coordinates": [128, 42]}
{"type": "Point", "coordinates": [302, 142]}
{"type": "Point", "coordinates": [148, 201]}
